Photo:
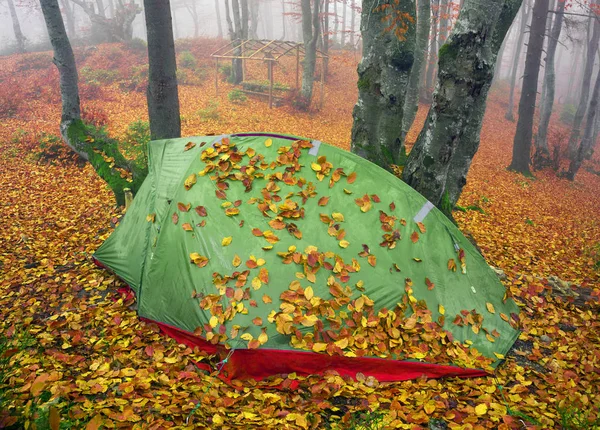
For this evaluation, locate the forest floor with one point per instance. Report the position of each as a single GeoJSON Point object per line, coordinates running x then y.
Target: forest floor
{"type": "Point", "coordinates": [73, 353]}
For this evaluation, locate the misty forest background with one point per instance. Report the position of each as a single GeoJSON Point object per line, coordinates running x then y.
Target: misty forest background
{"type": "Point", "coordinates": [490, 110]}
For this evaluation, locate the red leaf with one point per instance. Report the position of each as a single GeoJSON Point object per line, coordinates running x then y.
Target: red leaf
{"type": "Point", "coordinates": [200, 210]}
{"type": "Point", "coordinates": [175, 218]}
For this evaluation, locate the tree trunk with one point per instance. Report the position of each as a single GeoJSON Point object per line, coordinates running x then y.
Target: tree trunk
{"type": "Point", "coordinates": [111, 8]}
{"type": "Point", "coordinates": [440, 159]}
{"type": "Point", "coordinates": [175, 23]}
{"type": "Point", "coordinates": [548, 32]}
{"type": "Point", "coordinates": [443, 22]}
{"type": "Point", "coordinates": [525, 10]}
{"type": "Point", "coordinates": [310, 32]}
{"type": "Point", "coordinates": [411, 102]}
{"type": "Point", "coordinates": [253, 8]}
{"type": "Point", "coordinates": [432, 59]}
{"type": "Point", "coordinates": [383, 76]}
{"type": "Point", "coordinates": [343, 35]}
{"type": "Point", "coordinates": [239, 31]}
{"type": "Point", "coordinates": [326, 38]}
{"type": "Point", "coordinates": [335, 20]}
{"type": "Point", "coordinates": [542, 157]}
{"type": "Point", "coordinates": [352, 22]}
{"type": "Point", "coordinates": [101, 10]}
{"type": "Point", "coordinates": [283, 19]}
{"type": "Point", "coordinates": [16, 27]}
{"type": "Point", "coordinates": [585, 85]}
{"type": "Point", "coordinates": [523, 134]}
{"type": "Point", "coordinates": [163, 98]}
{"type": "Point", "coordinates": [101, 152]}
{"type": "Point", "coordinates": [68, 9]}
{"type": "Point", "coordinates": [116, 29]}
{"type": "Point", "coordinates": [586, 147]}
{"type": "Point", "coordinates": [219, 24]}
{"type": "Point", "coordinates": [469, 143]}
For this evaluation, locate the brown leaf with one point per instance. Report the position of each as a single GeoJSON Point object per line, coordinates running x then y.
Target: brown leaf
{"type": "Point", "coordinates": [200, 210]}
{"type": "Point", "coordinates": [184, 207]}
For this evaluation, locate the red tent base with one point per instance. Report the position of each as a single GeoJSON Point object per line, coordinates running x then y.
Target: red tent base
{"type": "Point", "coordinates": [258, 364]}
{"type": "Point", "coordinates": [261, 363]}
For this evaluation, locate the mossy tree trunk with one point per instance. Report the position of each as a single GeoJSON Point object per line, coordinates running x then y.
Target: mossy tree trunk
{"type": "Point", "coordinates": [101, 151]}
{"type": "Point", "coordinates": [440, 159]}
{"type": "Point", "coordinates": [310, 33]}
{"type": "Point", "coordinates": [592, 48]}
{"type": "Point", "coordinates": [411, 101]}
{"type": "Point", "coordinates": [383, 76]}
{"type": "Point", "coordinates": [469, 143]}
{"type": "Point", "coordinates": [162, 94]}
{"type": "Point", "coordinates": [542, 156]}
{"type": "Point", "coordinates": [523, 135]}
{"type": "Point", "coordinates": [525, 10]}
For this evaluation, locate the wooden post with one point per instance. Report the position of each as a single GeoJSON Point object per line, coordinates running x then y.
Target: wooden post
{"type": "Point", "coordinates": [298, 68]}
{"type": "Point", "coordinates": [217, 77]}
{"type": "Point", "coordinates": [271, 84]}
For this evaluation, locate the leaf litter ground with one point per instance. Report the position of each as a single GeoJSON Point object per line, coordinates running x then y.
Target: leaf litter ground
{"type": "Point", "coordinates": [74, 354]}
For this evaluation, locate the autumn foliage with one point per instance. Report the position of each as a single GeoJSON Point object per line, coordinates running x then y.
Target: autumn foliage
{"type": "Point", "coordinates": [74, 354]}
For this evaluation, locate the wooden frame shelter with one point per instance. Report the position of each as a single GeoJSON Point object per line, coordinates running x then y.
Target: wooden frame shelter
{"type": "Point", "coordinates": [269, 51]}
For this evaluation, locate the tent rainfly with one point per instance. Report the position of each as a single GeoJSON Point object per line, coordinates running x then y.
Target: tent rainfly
{"type": "Point", "coordinates": [291, 255]}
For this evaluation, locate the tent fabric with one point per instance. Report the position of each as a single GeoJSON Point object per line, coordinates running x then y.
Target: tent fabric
{"type": "Point", "coordinates": [365, 244]}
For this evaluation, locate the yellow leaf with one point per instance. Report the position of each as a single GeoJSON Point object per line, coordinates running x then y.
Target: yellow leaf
{"type": "Point", "coordinates": [268, 142]}
{"type": "Point", "coordinates": [308, 293]}
{"type": "Point", "coordinates": [429, 408]}
{"type": "Point", "coordinates": [316, 167]}
{"type": "Point", "coordinates": [236, 261]}
{"type": "Point", "coordinates": [344, 243]}
{"type": "Point", "coordinates": [342, 343]}
{"type": "Point", "coordinates": [441, 310]}
{"type": "Point", "coordinates": [337, 216]}
{"type": "Point", "coordinates": [213, 321]}
{"type": "Point", "coordinates": [190, 181]}
{"type": "Point", "coordinates": [217, 419]}
{"type": "Point", "coordinates": [319, 347]}
{"type": "Point", "coordinates": [247, 336]}
{"type": "Point", "coordinates": [226, 241]}
{"type": "Point", "coordinates": [256, 283]}
{"type": "Point", "coordinates": [481, 409]}
{"type": "Point", "coordinates": [490, 308]}
{"type": "Point", "coordinates": [151, 217]}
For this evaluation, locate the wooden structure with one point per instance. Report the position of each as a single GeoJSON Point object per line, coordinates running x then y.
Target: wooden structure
{"type": "Point", "coordinates": [268, 51]}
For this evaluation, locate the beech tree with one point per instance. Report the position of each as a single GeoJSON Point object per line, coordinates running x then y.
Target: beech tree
{"type": "Point", "coordinates": [438, 164]}
{"type": "Point", "coordinates": [20, 39]}
{"type": "Point", "coordinates": [440, 159]}
{"type": "Point", "coordinates": [525, 13]}
{"type": "Point", "coordinates": [102, 152]}
{"type": "Point", "coordinates": [238, 31]}
{"type": "Point", "coordinates": [118, 28]}
{"type": "Point", "coordinates": [542, 157]}
{"type": "Point", "coordinates": [522, 142]}
{"type": "Point", "coordinates": [592, 48]}
{"type": "Point", "coordinates": [162, 93]}
{"type": "Point", "coordinates": [310, 33]}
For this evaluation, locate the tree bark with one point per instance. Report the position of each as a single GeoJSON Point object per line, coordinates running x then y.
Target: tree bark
{"type": "Point", "coordinates": [469, 143]}
{"type": "Point", "coordinates": [20, 39]}
{"type": "Point", "coordinates": [238, 32]}
{"type": "Point", "coordinates": [592, 48]}
{"type": "Point", "coordinates": [163, 98]}
{"type": "Point", "coordinates": [432, 59]}
{"type": "Point", "coordinates": [253, 8]}
{"type": "Point", "coordinates": [352, 22]}
{"type": "Point", "coordinates": [438, 162]}
{"type": "Point", "coordinates": [586, 147]}
{"type": "Point", "coordinates": [310, 32]}
{"type": "Point", "coordinates": [68, 9]}
{"type": "Point", "coordinates": [343, 35]}
{"type": "Point", "coordinates": [101, 152]}
{"type": "Point", "coordinates": [542, 157]}
{"type": "Point", "coordinates": [411, 102]}
{"type": "Point", "coordinates": [523, 134]}
{"type": "Point", "coordinates": [383, 76]}
{"type": "Point", "coordinates": [326, 38]}
{"type": "Point", "coordinates": [219, 24]}
{"type": "Point", "coordinates": [116, 29]}
{"type": "Point", "coordinates": [443, 22]}
{"type": "Point", "coordinates": [525, 10]}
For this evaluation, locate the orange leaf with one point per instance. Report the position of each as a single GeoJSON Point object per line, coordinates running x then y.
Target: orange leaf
{"type": "Point", "coordinates": [189, 146]}
{"type": "Point", "coordinates": [414, 237]}
{"type": "Point", "coordinates": [187, 226]}
{"type": "Point", "coordinates": [175, 218]}
{"type": "Point", "coordinates": [183, 207]}
{"type": "Point", "coordinates": [351, 177]}
{"type": "Point", "coordinates": [323, 201]}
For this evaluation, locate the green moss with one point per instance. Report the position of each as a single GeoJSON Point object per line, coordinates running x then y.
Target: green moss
{"type": "Point", "coordinates": [363, 83]}
{"type": "Point", "coordinates": [105, 156]}
{"type": "Point", "coordinates": [448, 52]}
{"type": "Point", "coordinates": [446, 205]}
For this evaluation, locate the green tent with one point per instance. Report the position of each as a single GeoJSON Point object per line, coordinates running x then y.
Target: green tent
{"type": "Point", "coordinates": [292, 251]}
